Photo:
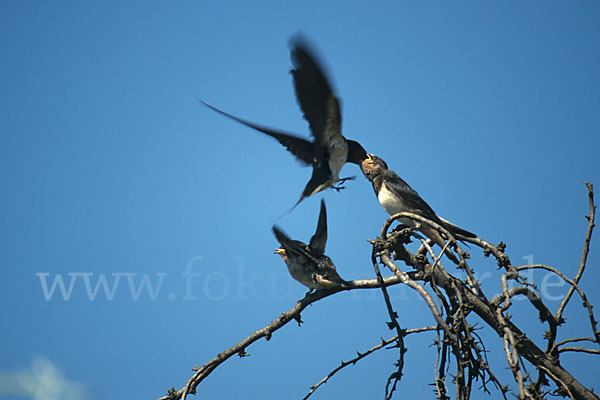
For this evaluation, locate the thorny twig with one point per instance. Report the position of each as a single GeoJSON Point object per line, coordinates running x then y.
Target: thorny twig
{"type": "Point", "coordinates": [584, 299]}
{"type": "Point", "coordinates": [294, 314]}
{"type": "Point", "coordinates": [586, 250]}
{"type": "Point", "coordinates": [516, 343]}
{"type": "Point", "coordinates": [458, 300]}
{"type": "Point", "coordinates": [360, 356]}
{"type": "Point", "coordinates": [393, 324]}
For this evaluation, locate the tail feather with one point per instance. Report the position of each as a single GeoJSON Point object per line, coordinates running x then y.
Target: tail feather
{"type": "Point", "coordinates": [437, 239]}
{"type": "Point", "coordinates": [456, 229]}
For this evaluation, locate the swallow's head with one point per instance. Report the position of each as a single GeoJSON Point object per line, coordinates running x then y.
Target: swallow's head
{"type": "Point", "coordinates": [372, 166]}
{"type": "Point", "coordinates": [356, 153]}
{"type": "Point", "coordinates": [281, 251]}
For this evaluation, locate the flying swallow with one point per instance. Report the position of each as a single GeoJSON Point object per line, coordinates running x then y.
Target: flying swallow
{"type": "Point", "coordinates": [395, 195]}
{"type": "Point", "coordinates": [308, 264]}
{"type": "Point", "coordinates": [329, 150]}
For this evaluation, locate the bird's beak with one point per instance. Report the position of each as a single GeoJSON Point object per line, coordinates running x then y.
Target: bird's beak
{"type": "Point", "coordinates": [281, 252]}
{"type": "Point", "coordinates": [365, 162]}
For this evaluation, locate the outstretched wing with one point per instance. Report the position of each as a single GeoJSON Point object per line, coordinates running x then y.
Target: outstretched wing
{"type": "Point", "coordinates": [293, 247]}
{"type": "Point", "coordinates": [319, 240]}
{"type": "Point", "coordinates": [282, 238]}
{"type": "Point", "coordinates": [302, 149]}
{"type": "Point", "coordinates": [320, 106]}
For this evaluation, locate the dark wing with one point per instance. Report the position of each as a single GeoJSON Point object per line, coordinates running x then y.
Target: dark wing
{"type": "Point", "coordinates": [320, 175]}
{"type": "Point", "coordinates": [291, 246]}
{"type": "Point", "coordinates": [327, 272]}
{"type": "Point", "coordinates": [410, 197]}
{"type": "Point", "coordinates": [402, 189]}
{"type": "Point", "coordinates": [314, 94]}
{"type": "Point", "coordinates": [456, 229]}
{"type": "Point", "coordinates": [282, 238]}
{"type": "Point", "coordinates": [302, 149]}
{"type": "Point", "coordinates": [294, 247]}
{"type": "Point", "coordinates": [356, 153]}
{"type": "Point", "coordinates": [319, 240]}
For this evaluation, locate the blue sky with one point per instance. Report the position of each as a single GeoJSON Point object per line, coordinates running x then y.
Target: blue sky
{"type": "Point", "coordinates": [111, 168]}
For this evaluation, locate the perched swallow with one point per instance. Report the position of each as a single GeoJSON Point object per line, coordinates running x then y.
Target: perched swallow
{"type": "Point", "coordinates": [330, 150]}
{"type": "Point", "coordinates": [308, 264]}
{"type": "Point", "coordinates": [397, 196]}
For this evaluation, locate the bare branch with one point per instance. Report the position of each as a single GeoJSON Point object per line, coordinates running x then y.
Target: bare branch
{"type": "Point", "coordinates": [393, 324]}
{"type": "Point", "coordinates": [510, 347]}
{"type": "Point", "coordinates": [457, 340]}
{"type": "Point", "coordinates": [266, 332]}
{"type": "Point", "coordinates": [573, 340]}
{"type": "Point", "coordinates": [586, 303]}
{"type": "Point", "coordinates": [360, 356]}
{"type": "Point", "coordinates": [385, 258]}
{"type": "Point", "coordinates": [579, 349]}
{"type": "Point", "coordinates": [586, 249]}
{"type": "Point", "coordinates": [516, 339]}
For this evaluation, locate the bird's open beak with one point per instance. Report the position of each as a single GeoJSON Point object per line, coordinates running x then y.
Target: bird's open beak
{"type": "Point", "coordinates": [365, 163]}
{"type": "Point", "coordinates": [281, 252]}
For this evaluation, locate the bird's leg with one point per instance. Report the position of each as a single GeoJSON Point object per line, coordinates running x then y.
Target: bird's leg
{"type": "Point", "coordinates": [348, 178]}
{"type": "Point", "coordinates": [340, 182]}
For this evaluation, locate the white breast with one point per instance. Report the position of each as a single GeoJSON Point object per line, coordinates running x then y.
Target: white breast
{"type": "Point", "coordinates": [393, 204]}
{"type": "Point", "coordinates": [389, 202]}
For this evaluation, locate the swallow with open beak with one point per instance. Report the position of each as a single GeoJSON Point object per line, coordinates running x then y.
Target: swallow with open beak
{"type": "Point", "coordinates": [329, 150]}
{"type": "Point", "coordinates": [395, 196]}
{"type": "Point", "coordinates": [308, 264]}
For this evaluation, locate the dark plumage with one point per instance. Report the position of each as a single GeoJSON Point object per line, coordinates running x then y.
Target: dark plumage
{"type": "Point", "coordinates": [308, 264]}
{"type": "Point", "coordinates": [329, 150]}
{"type": "Point", "coordinates": [395, 196]}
